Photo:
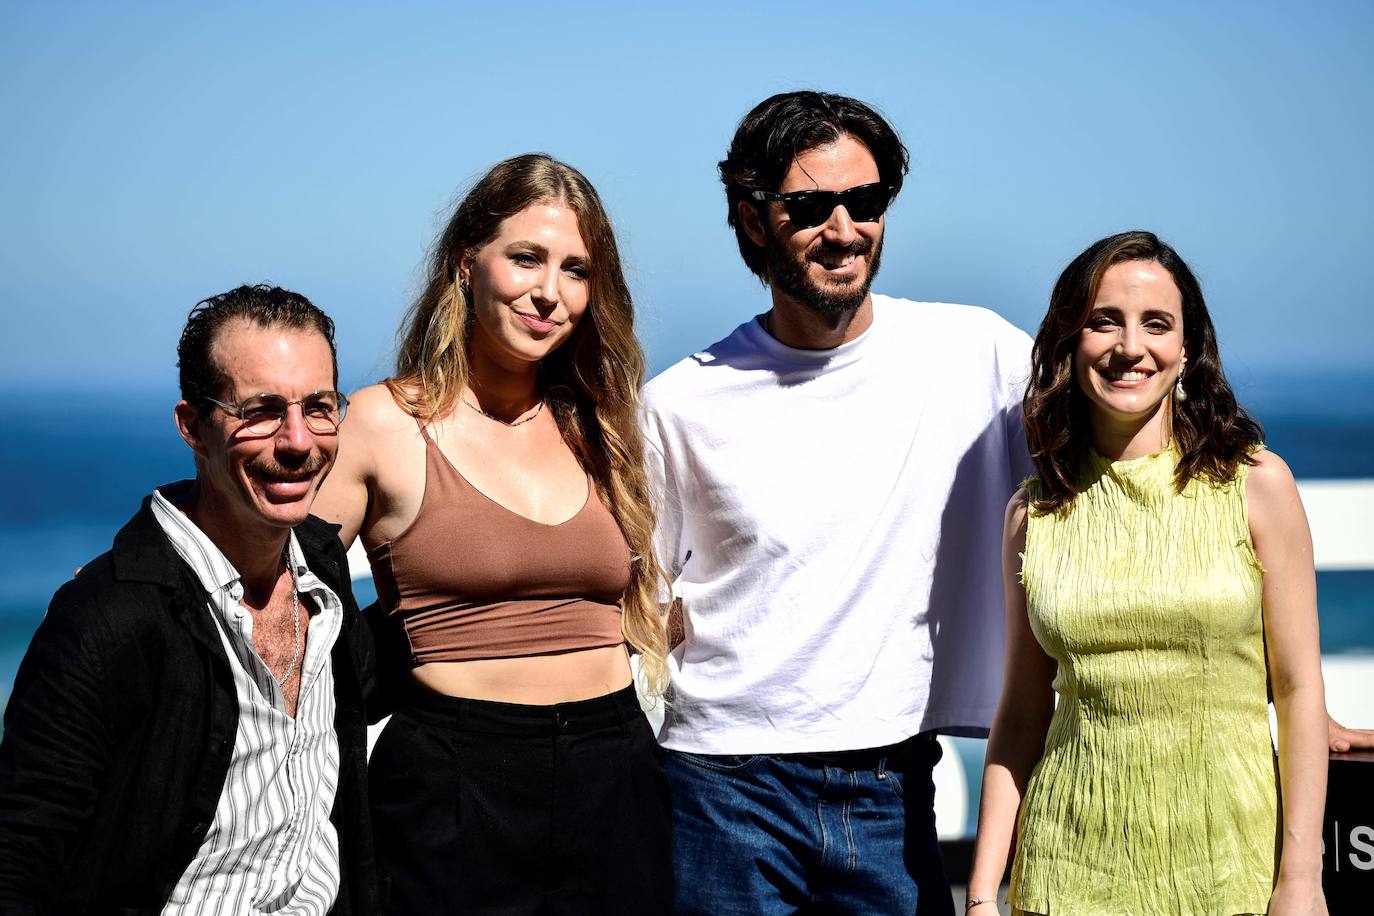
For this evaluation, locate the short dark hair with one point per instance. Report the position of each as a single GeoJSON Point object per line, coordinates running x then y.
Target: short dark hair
{"type": "Point", "coordinates": [1213, 434]}
{"type": "Point", "coordinates": [264, 305]}
{"type": "Point", "coordinates": [784, 126]}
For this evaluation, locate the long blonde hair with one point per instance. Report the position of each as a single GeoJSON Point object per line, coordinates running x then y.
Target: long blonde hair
{"type": "Point", "coordinates": [591, 383]}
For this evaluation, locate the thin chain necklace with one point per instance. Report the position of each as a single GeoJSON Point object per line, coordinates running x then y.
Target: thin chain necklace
{"type": "Point", "coordinates": [296, 622]}
{"type": "Point", "coordinates": [521, 422]}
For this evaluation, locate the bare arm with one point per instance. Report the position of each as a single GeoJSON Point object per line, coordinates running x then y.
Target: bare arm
{"type": "Point", "coordinates": [1283, 543]}
{"type": "Point", "coordinates": [346, 496]}
{"type": "Point", "coordinates": [1018, 730]}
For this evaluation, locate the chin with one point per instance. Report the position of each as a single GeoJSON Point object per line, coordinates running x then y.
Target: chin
{"type": "Point", "coordinates": [284, 513]}
{"type": "Point", "coordinates": [285, 516]}
{"type": "Point", "coordinates": [1130, 410]}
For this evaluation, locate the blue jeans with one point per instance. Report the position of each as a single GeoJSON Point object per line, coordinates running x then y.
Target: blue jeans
{"type": "Point", "coordinates": [763, 835]}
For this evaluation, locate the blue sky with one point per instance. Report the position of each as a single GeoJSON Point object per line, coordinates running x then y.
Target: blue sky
{"type": "Point", "coordinates": [153, 154]}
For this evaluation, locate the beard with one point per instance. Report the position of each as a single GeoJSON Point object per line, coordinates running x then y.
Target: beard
{"type": "Point", "coordinates": [789, 275]}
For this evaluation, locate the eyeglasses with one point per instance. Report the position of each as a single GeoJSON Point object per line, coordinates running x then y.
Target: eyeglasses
{"type": "Point", "coordinates": [262, 414]}
{"type": "Point", "coordinates": [865, 203]}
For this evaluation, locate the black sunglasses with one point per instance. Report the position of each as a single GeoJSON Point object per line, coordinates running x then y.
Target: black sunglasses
{"type": "Point", "coordinates": [865, 203]}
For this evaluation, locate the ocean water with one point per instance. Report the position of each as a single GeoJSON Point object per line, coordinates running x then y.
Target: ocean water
{"type": "Point", "coordinates": [76, 465]}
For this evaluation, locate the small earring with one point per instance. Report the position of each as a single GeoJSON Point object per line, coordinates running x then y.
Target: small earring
{"type": "Point", "coordinates": [1179, 394]}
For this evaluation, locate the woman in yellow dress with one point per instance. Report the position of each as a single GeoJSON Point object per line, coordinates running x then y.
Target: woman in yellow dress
{"type": "Point", "coordinates": [1159, 579]}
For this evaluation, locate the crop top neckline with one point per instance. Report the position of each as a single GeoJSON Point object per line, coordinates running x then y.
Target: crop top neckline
{"type": "Point", "coordinates": [448, 463]}
{"type": "Point", "coordinates": [472, 579]}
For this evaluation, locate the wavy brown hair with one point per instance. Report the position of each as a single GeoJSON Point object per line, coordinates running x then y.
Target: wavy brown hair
{"type": "Point", "coordinates": [591, 383]}
{"type": "Point", "coordinates": [1212, 433]}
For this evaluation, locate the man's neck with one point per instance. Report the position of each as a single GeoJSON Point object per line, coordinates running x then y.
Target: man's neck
{"type": "Point", "coordinates": [802, 328]}
{"type": "Point", "coordinates": [256, 554]}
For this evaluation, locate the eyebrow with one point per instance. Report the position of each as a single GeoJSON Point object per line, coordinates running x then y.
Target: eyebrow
{"type": "Point", "coordinates": [1116, 310]}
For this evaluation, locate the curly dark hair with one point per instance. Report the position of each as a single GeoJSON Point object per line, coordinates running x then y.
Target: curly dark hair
{"type": "Point", "coordinates": [1213, 434]}
{"type": "Point", "coordinates": [264, 305]}
{"type": "Point", "coordinates": [782, 127]}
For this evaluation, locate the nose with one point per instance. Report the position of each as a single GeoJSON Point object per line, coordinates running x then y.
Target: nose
{"type": "Point", "coordinates": [546, 290]}
{"type": "Point", "coordinates": [839, 228]}
{"type": "Point", "coordinates": [1130, 344]}
{"type": "Point", "coordinates": [293, 435]}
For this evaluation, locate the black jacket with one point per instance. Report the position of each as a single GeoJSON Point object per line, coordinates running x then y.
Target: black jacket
{"type": "Point", "coordinates": [120, 728]}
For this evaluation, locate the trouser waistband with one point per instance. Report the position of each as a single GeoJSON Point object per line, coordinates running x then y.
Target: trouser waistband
{"type": "Point", "coordinates": [610, 710]}
{"type": "Point", "coordinates": [915, 749]}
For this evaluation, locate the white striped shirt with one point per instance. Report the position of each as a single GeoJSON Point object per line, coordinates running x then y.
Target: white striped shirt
{"type": "Point", "coordinates": [271, 847]}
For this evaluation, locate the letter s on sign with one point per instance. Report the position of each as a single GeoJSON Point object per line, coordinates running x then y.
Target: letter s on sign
{"type": "Point", "coordinates": [1362, 838]}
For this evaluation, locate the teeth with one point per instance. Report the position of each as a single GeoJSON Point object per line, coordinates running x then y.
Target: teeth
{"type": "Point", "coordinates": [1130, 376]}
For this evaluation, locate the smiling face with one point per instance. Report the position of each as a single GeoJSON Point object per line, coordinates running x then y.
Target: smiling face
{"type": "Point", "coordinates": [1130, 352]}
{"type": "Point", "coordinates": [827, 268]}
{"type": "Point", "coordinates": [249, 484]}
{"type": "Point", "coordinates": [528, 285]}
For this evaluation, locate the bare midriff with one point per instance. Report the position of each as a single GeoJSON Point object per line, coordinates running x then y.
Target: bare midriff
{"type": "Point", "coordinates": [535, 680]}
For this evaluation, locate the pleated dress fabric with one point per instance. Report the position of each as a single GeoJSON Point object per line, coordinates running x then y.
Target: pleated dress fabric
{"type": "Point", "coordinates": [1157, 791]}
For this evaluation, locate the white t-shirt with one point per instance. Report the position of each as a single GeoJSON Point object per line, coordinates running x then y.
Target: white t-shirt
{"type": "Point", "coordinates": [833, 520]}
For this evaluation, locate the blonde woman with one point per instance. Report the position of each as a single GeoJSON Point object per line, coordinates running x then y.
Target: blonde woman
{"type": "Point", "coordinates": [496, 482]}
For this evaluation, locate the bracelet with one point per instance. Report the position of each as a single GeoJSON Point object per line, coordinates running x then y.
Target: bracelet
{"type": "Point", "coordinates": [975, 901]}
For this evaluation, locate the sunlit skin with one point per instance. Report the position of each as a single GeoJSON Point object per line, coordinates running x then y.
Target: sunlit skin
{"type": "Point", "coordinates": [529, 288]}
{"type": "Point", "coordinates": [1129, 356]}
{"type": "Point", "coordinates": [250, 492]}
{"type": "Point", "coordinates": [823, 250]}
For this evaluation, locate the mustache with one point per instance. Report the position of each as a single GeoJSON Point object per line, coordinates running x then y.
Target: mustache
{"type": "Point", "coordinates": [273, 470]}
{"type": "Point", "coordinates": [859, 246]}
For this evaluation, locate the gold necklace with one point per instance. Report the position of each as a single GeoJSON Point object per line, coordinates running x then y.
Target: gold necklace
{"type": "Point", "coordinates": [538, 408]}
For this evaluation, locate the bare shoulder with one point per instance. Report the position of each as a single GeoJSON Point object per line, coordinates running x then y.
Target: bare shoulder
{"type": "Point", "coordinates": [1270, 479]}
{"type": "Point", "coordinates": [1014, 527]}
{"type": "Point", "coordinates": [374, 409]}
{"type": "Point", "coordinates": [1272, 500]}
{"type": "Point", "coordinates": [1017, 508]}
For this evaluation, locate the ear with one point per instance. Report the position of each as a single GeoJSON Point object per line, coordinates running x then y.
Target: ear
{"type": "Point", "coordinates": [751, 220]}
{"type": "Point", "coordinates": [464, 277]}
{"type": "Point", "coordinates": [189, 423]}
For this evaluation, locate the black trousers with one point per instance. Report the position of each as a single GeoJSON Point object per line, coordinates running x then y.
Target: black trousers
{"type": "Point", "coordinates": [490, 808]}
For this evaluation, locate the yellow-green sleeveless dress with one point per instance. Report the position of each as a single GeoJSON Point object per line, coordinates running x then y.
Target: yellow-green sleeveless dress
{"type": "Point", "coordinates": [1157, 791]}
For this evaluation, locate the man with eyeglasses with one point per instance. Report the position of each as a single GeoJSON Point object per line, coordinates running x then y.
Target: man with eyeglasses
{"type": "Point", "coordinates": [833, 477]}
{"type": "Point", "coordinates": [186, 731]}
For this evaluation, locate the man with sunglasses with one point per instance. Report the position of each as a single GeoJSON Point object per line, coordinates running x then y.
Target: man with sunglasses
{"type": "Point", "coordinates": [833, 476]}
{"type": "Point", "coordinates": [186, 731]}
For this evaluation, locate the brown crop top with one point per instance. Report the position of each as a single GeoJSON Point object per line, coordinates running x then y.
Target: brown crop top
{"type": "Point", "coordinates": [472, 579]}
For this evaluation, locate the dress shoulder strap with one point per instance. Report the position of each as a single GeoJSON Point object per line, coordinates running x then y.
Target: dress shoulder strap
{"type": "Point", "coordinates": [424, 432]}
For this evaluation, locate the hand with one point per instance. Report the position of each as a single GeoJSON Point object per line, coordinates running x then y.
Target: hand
{"type": "Point", "coordinates": [1297, 898]}
{"type": "Point", "coordinates": [1343, 739]}
{"type": "Point", "coordinates": [677, 630]}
